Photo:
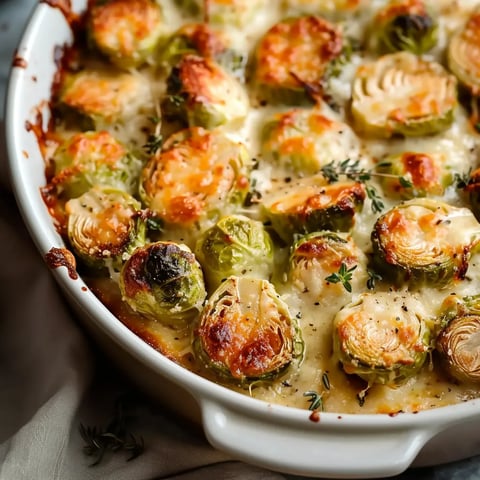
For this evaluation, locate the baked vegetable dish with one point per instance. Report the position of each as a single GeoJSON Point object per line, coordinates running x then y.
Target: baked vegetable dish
{"type": "Point", "coordinates": [282, 197]}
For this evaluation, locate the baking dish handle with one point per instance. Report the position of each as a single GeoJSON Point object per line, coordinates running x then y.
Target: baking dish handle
{"type": "Point", "coordinates": [315, 451]}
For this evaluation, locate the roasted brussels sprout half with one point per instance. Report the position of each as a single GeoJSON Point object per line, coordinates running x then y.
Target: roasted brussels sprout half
{"type": "Point", "coordinates": [304, 140]}
{"type": "Point", "coordinates": [473, 190]}
{"type": "Point", "coordinates": [246, 332]}
{"type": "Point", "coordinates": [315, 257]}
{"type": "Point", "coordinates": [235, 245]}
{"type": "Point", "coordinates": [201, 93]}
{"type": "Point", "coordinates": [463, 53]}
{"type": "Point", "coordinates": [402, 94]}
{"type": "Point", "coordinates": [425, 242]}
{"type": "Point", "coordinates": [458, 342]}
{"type": "Point", "coordinates": [94, 158]}
{"type": "Point", "coordinates": [310, 204]}
{"type": "Point", "coordinates": [164, 282]}
{"type": "Point", "coordinates": [232, 12]}
{"type": "Point", "coordinates": [126, 31]}
{"type": "Point", "coordinates": [100, 99]}
{"type": "Point", "coordinates": [330, 8]}
{"type": "Point", "coordinates": [197, 176]}
{"type": "Point", "coordinates": [292, 58]}
{"type": "Point", "coordinates": [383, 337]}
{"type": "Point", "coordinates": [104, 226]}
{"type": "Point", "coordinates": [409, 174]}
{"type": "Point", "coordinates": [202, 40]}
{"type": "Point", "coordinates": [405, 25]}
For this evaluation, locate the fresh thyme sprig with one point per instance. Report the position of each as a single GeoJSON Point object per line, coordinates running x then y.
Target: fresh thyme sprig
{"type": "Point", "coordinates": [343, 276]}
{"type": "Point", "coordinates": [153, 144]}
{"type": "Point", "coordinates": [351, 169]}
{"type": "Point", "coordinates": [113, 438]}
{"type": "Point", "coordinates": [373, 278]}
{"type": "Point", "coordinates": [315, 398]}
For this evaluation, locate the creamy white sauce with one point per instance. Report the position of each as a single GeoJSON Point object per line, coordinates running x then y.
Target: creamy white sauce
{"type": "Point", "coordinates": [428, 389]}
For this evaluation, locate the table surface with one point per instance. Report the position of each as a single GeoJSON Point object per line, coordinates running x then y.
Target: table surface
{"type": "Point", "coordinates": [13, 16]}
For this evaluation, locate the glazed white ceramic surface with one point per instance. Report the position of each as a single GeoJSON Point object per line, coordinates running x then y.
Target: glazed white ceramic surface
{"type": "Point", "coordinates": [279, 438]}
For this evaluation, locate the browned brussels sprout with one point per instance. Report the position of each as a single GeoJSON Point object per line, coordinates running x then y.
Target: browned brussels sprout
{"type": "Point", "coordinates": [246, 331]}
{"type": "Point", "coordinates": [403, 94]}
{"type": "Point", "coordinates": [405, 25]}
{"type": "Point", "coordinates": [126, 31]}
{"type": "Point", "coordinates": [197, 176]}
{"type": "Point", "coordinates": [425, 242]}
{"type": "Point", "coordinates": [458, 342]}
{"type": "Point", "coordinates": [383, 337]}
{"type": "Point", "coordinates": [310, 204]}
{"type": "Point", "coordinates": [294, 54]}
{"type": "Point", "coordinates": [164, 282]}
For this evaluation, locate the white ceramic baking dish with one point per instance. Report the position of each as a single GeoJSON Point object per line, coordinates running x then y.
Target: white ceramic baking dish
{"type": "Point", "coordinates": [280, 438]}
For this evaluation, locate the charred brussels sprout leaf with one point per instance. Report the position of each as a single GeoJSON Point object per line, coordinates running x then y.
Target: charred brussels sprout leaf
{"type": "Point", "coordinates": [201, 93]}
{"type": "Point", "coordinates": [463, 53]}
{"type": "Point", "coordinates": [293, 56]}
{"type": "Point", "coordinates": [246, 332]}
{"type": "Point", "coordinates": [104, 226]}
{"type": "Point", "coordinates": [459, 341]}
{"type": "Point", "coordinates": [197, 176]}
{"type": "Point", "coordinates": [406, 25]}
{"type": "Point", "coordinates": [309, 205]}
{"type": "Point", "coordinates": [94, 158]}
{"type": "Point", "coordinates": [414, 174]}
{"type": "Point", "coordinates": [235, 245]}
{"type": "Point", "coordinates": [316, 257]}
{"type": "Point", "coordinates": [402, 94]}
{"type": "Point", "coordinates": [424, 242]}
{"type": "Point", "coordinates": [383, 337]}
{"type": "Point", "coordinates": [164, 282]}
{"type": "Point", "coordinates": [126, 31]}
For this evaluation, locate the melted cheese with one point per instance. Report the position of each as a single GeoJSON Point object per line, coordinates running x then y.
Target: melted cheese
{"type": "Point", "coordinates": [458, 146]}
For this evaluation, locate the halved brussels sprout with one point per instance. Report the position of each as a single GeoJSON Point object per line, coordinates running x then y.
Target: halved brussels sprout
{"type": "Point", "coordinates": [463, 53]}
{"type": "Point", "coordinates": [197, 176]}
{"type": "Point", "coordinates": [330, 8]}
{"type": "Point", "coordinates": [317, 256]}
{"type": "Point", "coordinates": [402, 94]}
{"type": "Point", "coordinates": [201, 93]}
{"type": "Point", "coordinates": [383, 337]}
{"type": "Point", "coordinates": [104, 226]}
{"type": "Point", "coordinates": [126, 31]}
{"type": "Point", "coordinates": [293, 56]}
{"type": "Point", "coordinates": [425, 241]}
{"type": "Point", "coordinates": [164, 282]}
{"type": "Point", "coordinates": [94, 158]}
{"type": "Point", "coordinates": [231, 12]}
{"type": "Point", "coordinates": [202, 40]}
{"type": "Point", "coordinates": [473, 190]}
{"type": "Point", "coordinates": [235, 245]}
{"type": "Point", "coordinates": [103, 98]}
{"type": "Point", "coordinates": [414, 174]}
{"type": "Point", "coordinates": [459, 341]}
{"type": "Point", "coordinates": [246, 331]}
{"type": "Point", "coordinates": [304, 140]}
{"type": "Point", "coordinates": [309, 204]}
{"type": "Point", "coordinates": [405, 25]}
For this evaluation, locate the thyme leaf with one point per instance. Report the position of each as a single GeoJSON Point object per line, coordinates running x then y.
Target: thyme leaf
{"type": "Point", "coordinates": [343, 276]}
{"type": "Point", "coordinates": [373, 277]}
{"type": "Point", "coordinates": [153, 144]}
{"type": "Point", "coordinates": [114, 437]}
{"type": "Point", "coordinates": [316, 400]}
